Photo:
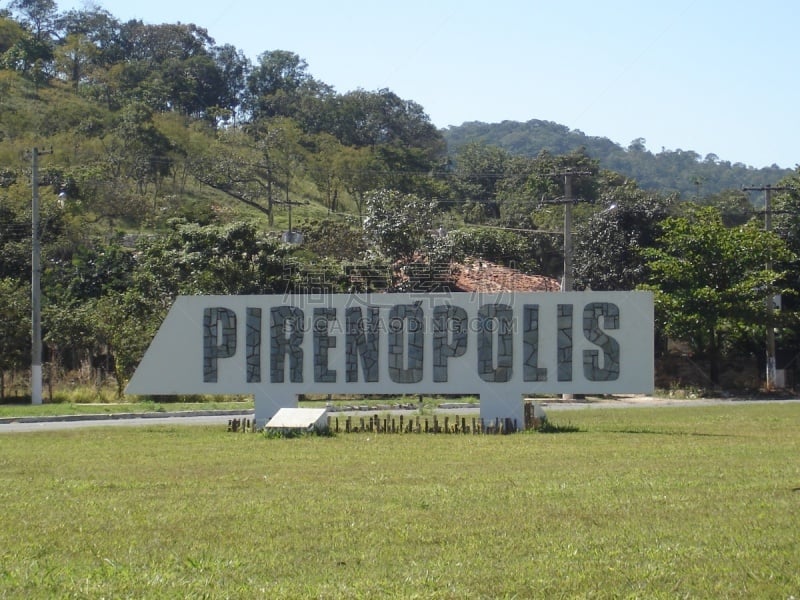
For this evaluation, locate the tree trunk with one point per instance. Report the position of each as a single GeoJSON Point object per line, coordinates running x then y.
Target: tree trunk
{"type": "Point", "coordinates": [270, 214]}
{"type": "Point", "coordinates": [713, 358]}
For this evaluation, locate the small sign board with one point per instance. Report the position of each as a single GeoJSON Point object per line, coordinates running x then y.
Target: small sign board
{"type": "Point", "coordinates": [299, 419]}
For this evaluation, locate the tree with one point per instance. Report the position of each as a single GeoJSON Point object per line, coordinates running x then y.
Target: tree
{"type": "Point", "coordinates": [477, 171]}
{"type": "Point", "coordinates": [73, 58]}
{"type": "Point", "coordinates": [15, 327]}
{"type": "Point", "coordinates": [140, 151]}
{"type": "Point", "coordinates": [786, 214]}
{"type": "Point", "coordinates": [213, 259]}
{"type": "Point", "coordinates": [734, 205]}
{"type": "Point", "coordinates": [38, 15]}
{"type": "Point", "coordinates": [360, 172]}
{"type": "Point", "coordinates": [252, 166]}
{"type": "Point", "coordinates": [495, 245]}
{"type": "Point", "coordinates": [398, 132]}
{"type": "Point", "coordinates": [608, 245]}
{"type": "Point", "coordinates": [786, 224]}
{"type": "Point", "coordinates": [99, 27]}
{"type": "Point", "coordinates": [710, 281]}
{"type": "Point", "coordinates": [15, 243]}
{"type": "Point", "coordinates": [234, 67]}
{"type": "Point", "coordinates": [30, 57]}
{"type": "Point", "coordinates": [275, 84]}
{"type": "Point", "coordinates": [325, 168]}
{"type": "Point", "coordinates": [168, 67]}
{"type": "Point", "coordinates": [157, 45]}
{"type": "Point", "coordinates": [335, 238]}
{"type": "Point", "coordinates": [10, 33]}
{"type": "Point", "coordinates": [399, 224]}
{"type": "Point", "coordinates": [70, 334]}
{"type": "Point", "coordinates": [194, 86]}
{"type": "Point", "coordinates": [126, 324]}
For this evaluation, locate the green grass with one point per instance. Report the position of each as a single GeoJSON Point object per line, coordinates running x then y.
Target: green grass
{"type": "Point", "coordinates": [84, 406]}
{"type": "Point", "coordinates": [25, 409]}
{"type": "Point", "coordinates": [697, 502]}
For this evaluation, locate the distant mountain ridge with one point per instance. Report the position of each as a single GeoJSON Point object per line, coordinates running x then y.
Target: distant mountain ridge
{"type": "Point", "coordinates": [682, 171]}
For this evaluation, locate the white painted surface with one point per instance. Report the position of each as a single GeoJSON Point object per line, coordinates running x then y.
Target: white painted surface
{"type": "Point", "coordinates": [299, 418]}
{"type": "Point", "coordinates": [174, 362]}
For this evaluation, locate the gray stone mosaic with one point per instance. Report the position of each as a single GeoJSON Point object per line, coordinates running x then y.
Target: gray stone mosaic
{"type": "Point", "coordinates": [323, 341]}
{"type": "Point", "coordinates": [406, 343]}
{"type": "Point", "coordinates": [362, 341]}
{"type": "Point", "coordinates": [286, 320]}
{"type": "Point", "coordinates": [216, 346]}
{"type": "Point", "coordinates": [530, 344]}
{"type": "Point", "coordinates": [495, 322]}
{"type": "Point", "coordinates": [592, 313]}
{"type": "Point", "coordinates": [253, 345]}
{"type": "Point", "coordinates": [450, 337]}
{"type": "Point", "coordinates": [564, 346]}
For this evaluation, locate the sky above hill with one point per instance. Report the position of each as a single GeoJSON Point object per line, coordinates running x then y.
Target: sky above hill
{"type": "Point", "coordinates": [712, 76]}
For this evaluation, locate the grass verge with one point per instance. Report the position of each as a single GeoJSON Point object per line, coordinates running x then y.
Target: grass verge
{"type": "Point", "coordinates": [657, 503]}
{"type": "Point", "coordinates": [138, 405]}
{"type": "Point", "coordinates": [70, 408]}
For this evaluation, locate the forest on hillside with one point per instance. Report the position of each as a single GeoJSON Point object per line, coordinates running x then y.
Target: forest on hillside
{"type": "Point", "coordinates": [682, 171]}
{"type": "Point", "coordinates": [166, 164]}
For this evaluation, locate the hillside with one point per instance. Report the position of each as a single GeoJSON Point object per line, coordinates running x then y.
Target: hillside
{"type": "Point", "coordinates": [681, 171]}
{"type": "Point", "coordinates": [172, 166]}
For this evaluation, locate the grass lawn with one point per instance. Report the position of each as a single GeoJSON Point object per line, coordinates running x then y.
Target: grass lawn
{"type": "Point", "coordinates": [698, 502]}
{"type": "Point", "coordinates": [10, 411]}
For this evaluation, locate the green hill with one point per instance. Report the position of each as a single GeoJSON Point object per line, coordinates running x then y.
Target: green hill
{"type": "Point", "coordinates": [681, 171]}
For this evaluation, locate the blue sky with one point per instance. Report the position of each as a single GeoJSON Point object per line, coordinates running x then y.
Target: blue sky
{"type": "Point", "coordinates": [710, 76]}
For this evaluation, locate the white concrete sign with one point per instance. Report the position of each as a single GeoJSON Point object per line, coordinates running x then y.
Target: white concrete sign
{"type": "Point", "coordinates": [500, 346]}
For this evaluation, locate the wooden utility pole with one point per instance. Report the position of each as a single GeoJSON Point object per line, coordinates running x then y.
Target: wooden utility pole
{"type": "Point", "coordinates": [770, 374]}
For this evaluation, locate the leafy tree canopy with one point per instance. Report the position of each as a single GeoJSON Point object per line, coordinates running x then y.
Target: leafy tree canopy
{"type": "Point", "coordinates": [711, 280]}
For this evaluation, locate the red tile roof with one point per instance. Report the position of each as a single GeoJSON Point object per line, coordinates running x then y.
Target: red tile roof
{"type": "Point", "coordinates": [479, 275]}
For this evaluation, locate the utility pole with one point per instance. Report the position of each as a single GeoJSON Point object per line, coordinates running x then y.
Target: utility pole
{"type": "Point", "coordinates": [770, 374]}
{"type": "Point", "coordinates": [36, 295]}
{"type": "Point", "coordinates": [566, 280]}
{"type": "Point", "coordinates": [36, 292]}
{"type": "Point", "coordinates": [568, 201]}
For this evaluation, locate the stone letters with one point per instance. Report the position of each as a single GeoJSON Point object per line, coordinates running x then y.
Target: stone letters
{"type": "Point", "coordinates": [363, 337]}
{"type": "Point", "coordinates": [449, 338]}
{"type": "Point", "coordinates": [411, 350]}
{"type": "Point", "coordinates": [286, 338]}
{"type": "Point", "coordinates": [219, 339]}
